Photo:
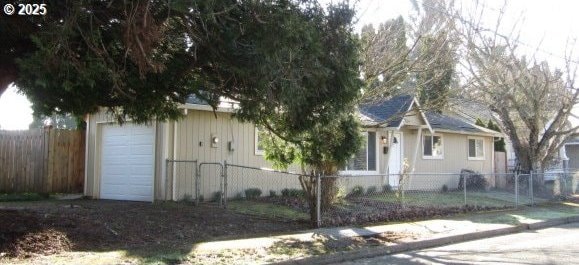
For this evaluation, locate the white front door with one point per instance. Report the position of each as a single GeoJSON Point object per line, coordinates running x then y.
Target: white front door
{"type": "Point", "coordinates": [395, 161]}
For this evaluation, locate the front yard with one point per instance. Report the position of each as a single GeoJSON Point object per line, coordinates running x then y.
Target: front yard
{"type": "Point", "coordinates": [139, 230]}
{"type": "Point", "coordinates": [105, 232]}
{"type": "Point", "coordinates": [110, 232]}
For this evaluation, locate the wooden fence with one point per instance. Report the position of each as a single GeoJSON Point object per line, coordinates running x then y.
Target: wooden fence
{"type": "Point", "coordinates": [42, 160]}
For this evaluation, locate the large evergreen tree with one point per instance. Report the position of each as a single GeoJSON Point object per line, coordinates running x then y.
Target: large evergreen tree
{"type": "Point", "coordinates": [289, 63]}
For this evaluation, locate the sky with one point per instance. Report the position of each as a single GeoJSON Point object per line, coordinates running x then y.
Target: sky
{"type": "Point", "coordinates": [15, 112]}
{"type": "Point", "coordinates": [548, 23]}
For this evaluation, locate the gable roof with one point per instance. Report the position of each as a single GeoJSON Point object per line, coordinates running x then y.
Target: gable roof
{"type": "Point", "coordinates": [384, 113]}
{"type": "Point", "coordinates": [389, 112]}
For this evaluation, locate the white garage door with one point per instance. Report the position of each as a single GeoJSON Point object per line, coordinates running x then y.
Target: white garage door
{"type": "Point", "coordinates": [127, 162]}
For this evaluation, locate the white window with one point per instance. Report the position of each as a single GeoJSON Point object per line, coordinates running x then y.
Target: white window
{"type": "Point", "coordinates": [476, 150]}
{"type": "Point", "coordinates": [366, 157]}
{"type": "Point", "coordinates": [259, 148]}
{"type": "Point", "coordinates": [432, 147]}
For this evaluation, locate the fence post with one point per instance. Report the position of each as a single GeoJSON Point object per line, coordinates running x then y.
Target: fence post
{"type": "Point", "coordinates": [516, 190]}
{"type": "Point", "coordinates": [464, 186]}
{"type": "Point", "coordinates": [531, 191]}
{"type": "Point", "coordinates": [166, 178]}
{"type": "Point", "coordinates": [224, 191]}
{"type": "Point", "coordinates": [197, 177]}
{"type": "Point", "coordinates": [318, 200]}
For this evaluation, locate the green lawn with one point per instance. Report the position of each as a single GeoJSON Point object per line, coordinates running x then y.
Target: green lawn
{"type": "Point", "coordinates": [268, 210]}
{"type": "Point", "coordinates": [448, 199]}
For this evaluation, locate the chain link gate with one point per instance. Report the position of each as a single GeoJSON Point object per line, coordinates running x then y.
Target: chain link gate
{"type": "Point", "coordinates": [210, 181]}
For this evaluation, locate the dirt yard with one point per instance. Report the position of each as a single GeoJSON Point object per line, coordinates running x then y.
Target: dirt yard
{"type": "Point", "coordinates": [29, 229]}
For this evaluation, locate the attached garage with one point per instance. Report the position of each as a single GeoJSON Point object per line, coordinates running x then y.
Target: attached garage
{"type": "Point", "coordinates": [127, 162]}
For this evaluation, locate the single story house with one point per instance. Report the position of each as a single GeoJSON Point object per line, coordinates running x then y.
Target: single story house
{"type": "Point", "coordinates": [128, 162]}
{"type": "Point", "coordinates": [571, 154]}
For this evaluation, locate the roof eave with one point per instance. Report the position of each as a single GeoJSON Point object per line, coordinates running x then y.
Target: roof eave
{"type": "Point", "coordinates": [415, 101]}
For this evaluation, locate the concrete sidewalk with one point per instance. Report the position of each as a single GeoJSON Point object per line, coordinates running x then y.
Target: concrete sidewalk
{"type": "Point", "coordinates": [422, 234]}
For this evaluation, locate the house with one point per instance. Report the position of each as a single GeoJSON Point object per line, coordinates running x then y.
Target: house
{"type": "Point", "coordinates": [128, 162]}
{"type": "Point", "coordinates": [571, 154]}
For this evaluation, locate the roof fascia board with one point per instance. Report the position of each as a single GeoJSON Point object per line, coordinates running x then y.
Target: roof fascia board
{"type": "Point", "coordinates": [415, 101]}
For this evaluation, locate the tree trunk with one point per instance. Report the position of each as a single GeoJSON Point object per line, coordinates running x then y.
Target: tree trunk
{"type": "Point", "coordinates": [329, 192]}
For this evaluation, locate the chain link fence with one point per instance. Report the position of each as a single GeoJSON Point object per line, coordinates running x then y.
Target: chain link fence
{"type": "Point", "coordinates": [359, 199]}
{"type": "Point", "coordinates": [265, 192]}
{"type": "Point", "coordinates": [210, 182]}
{"type": "Point", "coordinates": [378, 198]}
{"type": "Point", "coordinates": [556, 184]}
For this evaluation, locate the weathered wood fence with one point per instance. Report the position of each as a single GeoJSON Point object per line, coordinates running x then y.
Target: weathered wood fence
{"type": "Point", "coordinates": [42, 160]}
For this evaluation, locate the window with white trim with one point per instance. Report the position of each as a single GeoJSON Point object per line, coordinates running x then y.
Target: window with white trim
{"type": "Point", "coordinates": [476, 150]}
{"type": "Point", "coordinates": [432, 146]}
{"type": "Point", "coordinates": [259, 148]}
{"type": "Point", "coordinates": [365, 158]}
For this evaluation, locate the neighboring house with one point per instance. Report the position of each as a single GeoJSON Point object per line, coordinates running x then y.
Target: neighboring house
{"type": "Point", "coordinates": [128, 162]}
{"type": "Point", "coordinates": [572, 154]}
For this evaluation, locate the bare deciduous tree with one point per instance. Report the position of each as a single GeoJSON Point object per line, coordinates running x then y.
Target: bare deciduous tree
{"type": "Point", "coordinates": [531, 100]}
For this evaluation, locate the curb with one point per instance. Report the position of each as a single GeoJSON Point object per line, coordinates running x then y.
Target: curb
{"type": "Point", "coordinates": [429, 243]}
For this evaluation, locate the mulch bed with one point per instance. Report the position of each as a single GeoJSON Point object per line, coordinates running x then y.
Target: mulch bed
{"type": "Point", "coordinates": [24, 233]}
{"type": "Point", "coordinates": [49, 227]}
{"type": "Point", "coordinates": [362, 211]}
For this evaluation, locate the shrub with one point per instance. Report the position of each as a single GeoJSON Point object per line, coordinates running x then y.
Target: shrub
{"type": "Point", "coordinates": [371, 190]}
{"type": "Point", "coordinates": [292, 193]}
{"type": "Point", "coordinates": [444, 188]}
{"type": "Point", "coordinates": [285, 192]}
{"type": "Point", "coordinates": [187, 198]}
{"type": "Point", "coordinates": [252, 193]}
{"type": "Point", "coordinates": [357, 191]}
{"type": "Point", "coordinates": [474, 181]}
{"type": "Point", "coordinates": [216, 196]}
{"type": "Point", "coordinates": [272, 193]}
{"type": "Point", "coordinates": [387, 188]}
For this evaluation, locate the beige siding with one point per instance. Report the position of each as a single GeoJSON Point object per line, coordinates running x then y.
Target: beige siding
{"type": "Point", "coordinates": [414, 118]}
{"type": "Point", "coordinates": [455, 148]}
{"type": "Point", "coordinates": [193, 142]}
{"type": "Point", "coordinates": [455, 159]}
{"type": "Point", "coordinates": [92, 178]}
{"type": "Point", "coordinates": [190, 139]}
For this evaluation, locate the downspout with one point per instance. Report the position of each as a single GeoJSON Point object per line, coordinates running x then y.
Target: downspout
{"type": "Point", "coordinates": [416, 145]}
{"type": "Point", "coordinates": [493, 169]}
{"type": "Point", "coordinates": [174, 195]}
{"type": "Point", "coordinates": [493, 156]}
{"type": "Point", "coordinates": [86, 138]}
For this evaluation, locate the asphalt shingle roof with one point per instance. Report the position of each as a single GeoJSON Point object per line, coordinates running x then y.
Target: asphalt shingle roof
{"type": "Point", "coordinates": [193, 99]}
{"type": "Point", "coordinates": [390, 111]}
{"type": "Point", "coordinates": [444, 122]}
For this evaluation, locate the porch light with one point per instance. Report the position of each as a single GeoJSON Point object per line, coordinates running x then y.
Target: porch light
{"type": "Point", "coordinates": [384, 140]}
{"type": "Point", "coordinates": [214, 141]}
{"type": "Point", "coordinates": [395, 140]}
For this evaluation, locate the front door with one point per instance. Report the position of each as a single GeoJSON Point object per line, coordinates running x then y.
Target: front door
{"type": "Point", "coordinates": [395, 161]}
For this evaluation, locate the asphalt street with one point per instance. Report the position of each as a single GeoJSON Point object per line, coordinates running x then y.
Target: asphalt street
{"type": "Point", "coordinates": [555, 245]}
